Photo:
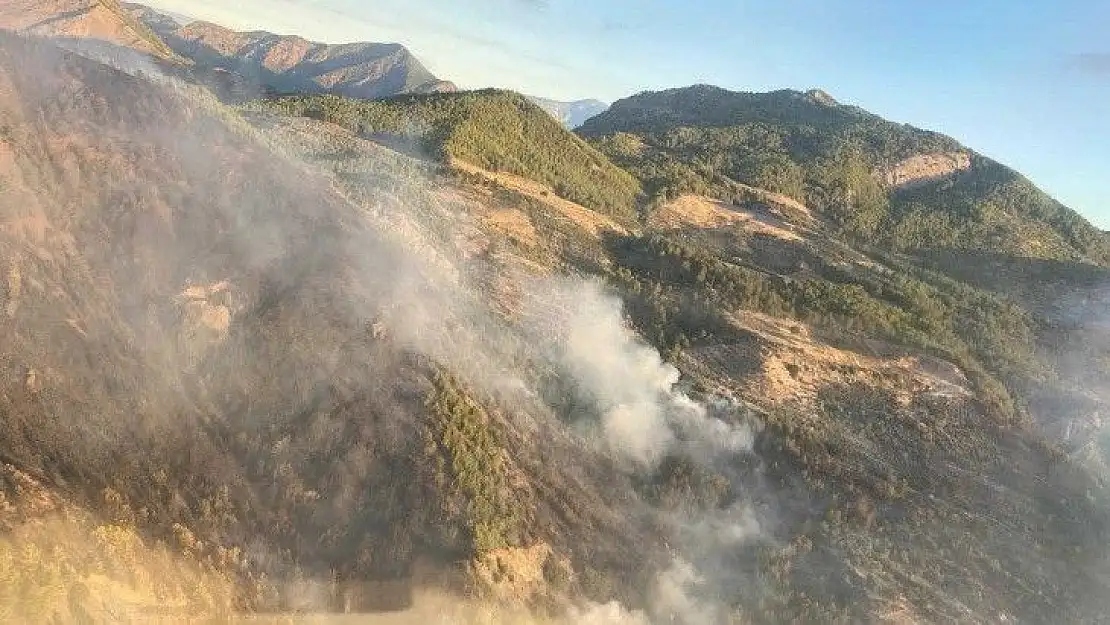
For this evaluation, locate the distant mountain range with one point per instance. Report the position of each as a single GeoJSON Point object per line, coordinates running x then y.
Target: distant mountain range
{"type": "Point", "coordinates": [246, 64]}
{"type": "Point", "coordinates": [286, 63]}
{"type": "Point", "coordinates": [571, 114]}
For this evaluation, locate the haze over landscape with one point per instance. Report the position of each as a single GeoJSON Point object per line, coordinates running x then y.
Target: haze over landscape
{"type": "Point", "coordinates": [381, 317]}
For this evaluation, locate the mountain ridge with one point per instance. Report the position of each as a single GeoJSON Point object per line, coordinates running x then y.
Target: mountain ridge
{"type": "Point", "coordinates": [469, 125]}
{"type": "Point", "coordinates": [848, 163]}
{"type": "Point", "coordinates": [103, 20]}
{"type": "Point", "coordinates": [573, 113]}
{"type": "Point", "coordinates": [290, 64]}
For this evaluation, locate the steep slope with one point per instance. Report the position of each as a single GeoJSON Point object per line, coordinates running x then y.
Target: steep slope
{"type": "Point", "coordinates": [492, 129]}
{"type": "Point", "coordinates": [157, 21]}
{"type": "Point", "coordinates": [900, 482]}
{"type": "Point", "coordinates": [295, 367]}
{"type": "Point", "coordinates": [194, 351]}
{"type": "Point", "coordinates": [571, 114]}
{"type": "Point", "coordinates": [290, 64]}
{"type": "Point", "coordinates": [905, 187]}
{"type": "Point", "coordinates": [889, 187]}
{"type": "Point", "coordinates": [96, 20]}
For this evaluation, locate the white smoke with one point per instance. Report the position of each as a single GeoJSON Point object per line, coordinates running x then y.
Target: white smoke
{"type": "Point", "coordinates": [675, 600]}
{"type": "Point", "coordinates": [644, 417]}
{"type": "Point", "coordinates": [427, 302]}
{"type": "Point", "coordinates": [608, 614]}
{"type": "Point", "coordinates": [629, 382]}
{"type": "Point", "coordinates": [122, 58]}
{"type": "Point", "coordinates": [643, 414]}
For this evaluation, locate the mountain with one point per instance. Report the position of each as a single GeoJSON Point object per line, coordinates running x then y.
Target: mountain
{"type": "Point", "coordinates": [437, 355]}
{"type": "Point", "coordinates": [205, 303]}
{"type": "Point", "coordinates": [775, 302]}
{"type": "Point", "coordinates": [157, 21]}
{"type": "Point", "coordinates": [906, 187]}
{"type": "Point", "coordinates": [571, 114]}
{"type": "Point", "coordinates": [88, 20]}
{"type": "Point", "coordinates": [292, 64]}
{"type": "Point", "coordinates": [499, 131]}
{"type": "Point", "coordinates": [886, 189]}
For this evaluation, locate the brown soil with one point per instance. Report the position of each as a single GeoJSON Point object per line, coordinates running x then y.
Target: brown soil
{"type": "Point", "coordinates": [924, 168]}
{"type": "Point", "coordinates": [785, 364]}
{"type": "Point", "coordinates": [83, 19]}
{"type": "Point", "coordinates": [701, 212]}
{"type": "Point", "coordinates": [591, 221]}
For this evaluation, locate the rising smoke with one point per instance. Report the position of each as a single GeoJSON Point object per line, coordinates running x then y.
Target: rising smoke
{"type": "Point", "coordinates": [424, 296]}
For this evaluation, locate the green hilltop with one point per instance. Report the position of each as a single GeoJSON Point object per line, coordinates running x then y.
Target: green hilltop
{"type": "Point", "coordinates": [657, 146]}
{"type": "Point", "coordinates": [493, 129]}
{"type": "Point", "coordinates": [831, 157]}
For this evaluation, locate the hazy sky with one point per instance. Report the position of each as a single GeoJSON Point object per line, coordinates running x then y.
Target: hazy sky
{"type": "Point", "coordinates": [1026, 82]}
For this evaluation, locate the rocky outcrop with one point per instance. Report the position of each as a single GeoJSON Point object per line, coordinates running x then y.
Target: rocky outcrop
{"type": "Point", "coordinates": [924, 168]}
{"type": "Point", "coordinates": [822, 97]}
{"type": "Point", "coordinates": [206, 311]}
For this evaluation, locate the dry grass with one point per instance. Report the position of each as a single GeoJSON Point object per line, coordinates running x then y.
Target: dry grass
{"type": "Point", "coordinates": [900, 613]}
{"type": "Point", "coordinates": [788, 365]}
{"type": "Point", "coordinates": [513, 575]}
{"type": "Point", "coordinates": [695, 211]}
{"type": "Point", "coordinates": [60, 564]}
{"type": "Point", "coordinates": [512, 224]}
{"type": "Point", "coordinates": [592, 222]}
{"type": "Point", "coordinates": [82, 19]}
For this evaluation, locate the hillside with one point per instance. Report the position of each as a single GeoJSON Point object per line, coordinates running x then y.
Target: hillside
{"type": "Point", "coordinates": [839, 355]}
{"type": "Point", "coordinates": [423, 356]}
{"type": "Point", "coordinates": [89, 20]}
{"type": "Point", "coordinates": [212, 311]}
{"type": "Point", "coordinates": [291, 64]}
{"type": "Point", "coordinates": [495, 130]}
{"type": "Point", "coordinates": [890, 183]}
{"type": "Point", "coordinates": [571, 114]}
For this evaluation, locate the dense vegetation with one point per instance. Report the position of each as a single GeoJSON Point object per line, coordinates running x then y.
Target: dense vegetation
{"type": "Point", "coordinates": [990, 338]}
{"type": "Point", "coordinates": [495, 130]}
{"type": "Point", "coordinates": [992, 208]}
{"type": "Point", "coordinates": [785, 141]}
{"type": "Point", "coordinates": [469, 463]}
{"type": "Point", "coordinates": [705, 140]}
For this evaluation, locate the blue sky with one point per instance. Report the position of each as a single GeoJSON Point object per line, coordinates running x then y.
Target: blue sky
{"type": "Point", "coordinates": [1025, 82]}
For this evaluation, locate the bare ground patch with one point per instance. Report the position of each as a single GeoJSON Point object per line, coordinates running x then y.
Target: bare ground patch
{"type": "Point", "coordinates": [792, 365]}
{"type": "Point", "coordinates": [701, 212]}
{"type": "Point", "coordinates": [594, 223]}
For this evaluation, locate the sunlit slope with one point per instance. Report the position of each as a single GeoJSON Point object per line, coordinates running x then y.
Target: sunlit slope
{"type": "Point", "coordinates": [494, 130]}
{"type": "Point", "coordinates": [887, 391]}
{"type": "Point", "coordinates": [884, 182]}
{"type": "Point", "coordinates": [93, 20]}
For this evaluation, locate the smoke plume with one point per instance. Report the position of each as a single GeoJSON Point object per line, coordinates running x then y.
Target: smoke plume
{"type": "Point", "coordinates": [250, 304]}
